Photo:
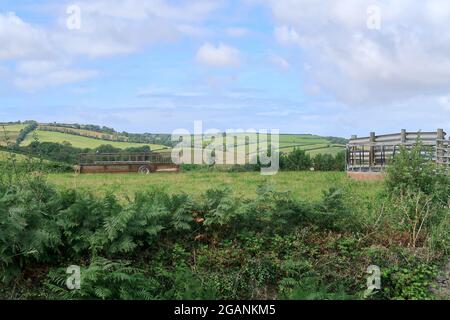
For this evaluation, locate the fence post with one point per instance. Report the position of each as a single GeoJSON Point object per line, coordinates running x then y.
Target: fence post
{"type": "Point", "coordinates": [372, 151]}
{"type": "Point", "coordinates": [353, 150]}
{"type": "Point", "coordinates": [440, 146]}
{"type": "Point", "coordinates": [403, 136]}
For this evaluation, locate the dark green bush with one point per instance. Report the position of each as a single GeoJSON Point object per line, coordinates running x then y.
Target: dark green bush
{"type": "Point", "coordinates": [297, 160]}
{"type": "Point", "coordinates": [418, 193]}
{"type": "Point", "coordinates": [408, 283]}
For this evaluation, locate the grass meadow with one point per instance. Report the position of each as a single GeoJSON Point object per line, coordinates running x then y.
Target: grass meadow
{"type": "Point", "coordinates": [302, 185]}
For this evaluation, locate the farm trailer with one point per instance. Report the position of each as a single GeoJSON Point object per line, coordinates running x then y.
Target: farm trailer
{"type": "Point", "coordinates": [368, 157]}
{"type": "Point", "coordinates": [126, 163]}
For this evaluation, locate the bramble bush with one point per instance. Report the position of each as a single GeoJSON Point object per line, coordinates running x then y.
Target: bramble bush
{"type": "Point", "coordinates": [417, 205]}
{"type": "Point", "coordinates": [418, 198]}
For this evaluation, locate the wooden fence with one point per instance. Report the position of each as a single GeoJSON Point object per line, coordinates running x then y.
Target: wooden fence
{"type": "Point", "coordinates": [374, 153]}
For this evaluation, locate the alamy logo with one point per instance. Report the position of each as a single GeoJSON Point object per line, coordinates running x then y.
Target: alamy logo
{"type": "Point", "coordinates": [232, 147]}
{"type": "Point", "coordinates": [73, 282]}
{"type": "Point", "coordinates": [73, 21]}
{"type": "Point", "coordinates": [374, 280]}
{"type": "Point", "coordinates": [373, 17]}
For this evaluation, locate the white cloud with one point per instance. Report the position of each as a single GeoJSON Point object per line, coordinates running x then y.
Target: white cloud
{"type": "Point", "coordinates": [36, 67]}
{"type": "Point", "coordinates": [108, 28]}
{"type": "Point", "coordinates": [408, 57]}
{"type": "Point", "coordinates": [184, 10]}
{"type": "Point", "coordinates": [444, 101]}
{"type": "Point", "coordinates": [52, 77]}
{"type": "Point", "coordinates": [237, 32]}
{"type": "Point", "coordinates": [279, 62]}
{"type": "Point", "coordinates": [194, 31]}
{"type": "Point", "coordinates": [19, 39]}
{"type": "Point", "coordinates": [286, 35]}
{"type": "Point", "coordinates": [220, 56]}
{"type": "Point", "coordinates": [156, 91]}
{"type": "Point", "coordinates": [279, 113]}
{"type": "Point", "coordinates": [111, 27]}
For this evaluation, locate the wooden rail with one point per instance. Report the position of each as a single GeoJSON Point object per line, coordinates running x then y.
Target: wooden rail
{"type": "Point", "coordinates": [374, 153]}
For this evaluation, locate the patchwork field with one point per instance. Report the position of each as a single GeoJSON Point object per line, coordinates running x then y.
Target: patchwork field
{"type": "Point", "coordinates": [310, 143]}
{"type": "Point", "coordinates": [81, 138]}
{"type": "Point", "coordinates": [82, 142]}
{"type": "Point", "coordinates": [9, 133]}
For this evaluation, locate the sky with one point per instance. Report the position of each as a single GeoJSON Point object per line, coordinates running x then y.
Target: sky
{"type": "Point", "coordinates": [330, 67]}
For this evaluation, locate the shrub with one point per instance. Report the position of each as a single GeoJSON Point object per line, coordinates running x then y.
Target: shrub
{"type": "Point", "coordinates": [297, 160]}
{"type": "Point", "coordinates": [412, 170]}
{"type": "Point", "coordinates": [105, 279]}
{"type": "Point", "coordinates": [408, 283]}
{"type": "Point", "coordinates": [418, 194]}
{"type": "Point", "coordinates": [32, 125]}
{"type": "Point", "coordinates": [328, 162]}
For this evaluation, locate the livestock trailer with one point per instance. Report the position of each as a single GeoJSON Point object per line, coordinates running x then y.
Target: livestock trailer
{"type": "Point", "coordinates": [126, 163]}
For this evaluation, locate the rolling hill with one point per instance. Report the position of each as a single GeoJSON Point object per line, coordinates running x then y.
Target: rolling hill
{"type": "Point", "coordinates": [80, 137]}
{"type": "Point", "coordinates": [78, 141]}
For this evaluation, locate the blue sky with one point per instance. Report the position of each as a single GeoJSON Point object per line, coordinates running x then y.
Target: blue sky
{"type": "Point", "coordinates": [295, 65]}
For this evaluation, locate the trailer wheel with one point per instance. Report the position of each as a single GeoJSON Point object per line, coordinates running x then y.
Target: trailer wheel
{"type": "Point", "coordinates": [144, 170]}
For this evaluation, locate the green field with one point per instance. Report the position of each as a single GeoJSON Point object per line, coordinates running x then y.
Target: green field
{"type": "Point", "coordinates": [10, 133]}
{"type": "Point", "coordinates": [82, 142]}
{"type": "Point", "coordinates": [81, 138]}
{"type": "Point", "coordinates": [310, 143]}
{"type": "Point", "coordinates": [75, 131]}
{"type": "Point", "coordinates": [6, 155]}
{"type": "Point", "coordinates": [303, 185]}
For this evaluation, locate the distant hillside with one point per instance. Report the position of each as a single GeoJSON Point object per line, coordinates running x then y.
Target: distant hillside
{"type": "Point", "coordinates": [79, 141]}
{"type": "Point", "coordinates": [92, 136]}
{"type": "Point", "coordinates": [108, 134]}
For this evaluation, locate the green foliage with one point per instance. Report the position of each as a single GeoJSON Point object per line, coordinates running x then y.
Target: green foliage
{"type": "Point", "coordinates": [28, 233]}
{"type": "Point", "coordinates": [312, 288]}
{"type": "Point", "coordinates": [110, 133]}
{"type": "Point", "coordinates": [54, 151]}
{"type": "Point", "coordinates": [327, 162]}
{"type": "Point", "coordinates": [31, 126]}
{"type": "Point", "coordinates": [158, 245]}
{"type": "Point", "coordinates": [408, 283]}
{"type": "Point", "coordinates": [67, 154]}
{"type": "Point", "coordinates": [332, 213]}
{"type": "Point", "coordinates": [418, 195]}
{"type": "Point", "coordinates": [412, 170]}
{"type": "Point", "coordinates": [104, 279]}
{"type": "Point", "coordinates": [297, 160]}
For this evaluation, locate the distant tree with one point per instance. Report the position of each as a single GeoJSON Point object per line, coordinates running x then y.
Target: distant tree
{"type": "Point", "coordinates": [106, 148]}
{"type": "Point", "coordinates": [31, 126]}
{"type": "Point", "coordinates": [297, 160]}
